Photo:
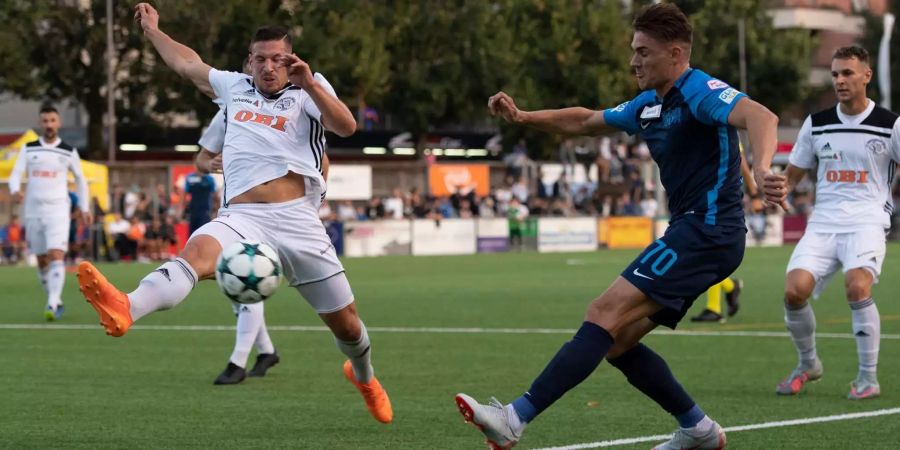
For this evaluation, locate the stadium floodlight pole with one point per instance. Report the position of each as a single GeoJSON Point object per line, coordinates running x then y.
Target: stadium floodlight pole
{"type": "Point", "coordinates": [884, 62]}
{"type": "Point", "coordinates": [110, 86]}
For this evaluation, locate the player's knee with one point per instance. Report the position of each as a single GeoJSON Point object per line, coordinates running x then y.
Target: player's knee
{"type": "Point", "coordinates": [795, 295]}
{"type": "Point", "coordinates": [858, 290]}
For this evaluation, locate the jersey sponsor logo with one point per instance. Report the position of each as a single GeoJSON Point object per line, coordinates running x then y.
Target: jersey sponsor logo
{"type": "Point", "coordinates": [827, 154]}
{"type": "Point", "coordinates": [249, 92]}
{"type": "Point", "coordinates": [44, 173]}
{"type": "Point", "coordinates": [276, 122]}
{"type": "Point", "coordinates": [728, 95]}
{"type": "Point", "coordinates": [715, 84]}
{"type": "Point", "coordinates": [876, 146]}
{"type": "Point", "coordinates": [847, 176]}
{"type": "Point", "coordinates": [247, 101]}
{"type": "Point", "coordinates": [285, 104]}
{"type": "Point", "coordinates": [621, 107]}
{"type": "Point", "coordinates": [651, 112]}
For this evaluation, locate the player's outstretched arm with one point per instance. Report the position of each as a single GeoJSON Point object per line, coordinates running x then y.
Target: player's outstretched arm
{"type": "Point", "coordinates": [762, 129]}
{"type": "Point", "coordinates": [567, 121]}
{"type": "Point", "coordinates": [181, 58]}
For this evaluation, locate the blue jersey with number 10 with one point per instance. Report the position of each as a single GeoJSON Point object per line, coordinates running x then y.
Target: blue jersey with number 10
{"type": "Point", "coordinates": [690, 139]}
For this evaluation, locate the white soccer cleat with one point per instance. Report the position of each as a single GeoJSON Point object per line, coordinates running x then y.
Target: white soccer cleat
{"type": "Point", "coordinates": [689, 439]}
{"type": "Point", "coordinates": [492, 419]}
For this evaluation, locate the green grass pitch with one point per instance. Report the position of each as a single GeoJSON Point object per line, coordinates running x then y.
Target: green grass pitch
{"type": "Point", "coordinates": [68, 385]}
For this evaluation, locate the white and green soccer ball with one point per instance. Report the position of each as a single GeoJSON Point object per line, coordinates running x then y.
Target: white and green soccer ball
{"type": "Point", "coordinates": [248, 271]}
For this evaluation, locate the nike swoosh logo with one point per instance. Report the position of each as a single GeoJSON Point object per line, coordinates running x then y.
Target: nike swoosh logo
{"type": "Point", "coordinates": [641, 275]}
{"type": "Point", "coordinates": [644, 125]}
{"type": "Point", "coordinates": [865, 253]}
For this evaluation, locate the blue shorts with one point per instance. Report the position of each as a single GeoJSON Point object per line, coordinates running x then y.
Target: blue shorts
{"type": "Point", "coordinates": [680, 266]}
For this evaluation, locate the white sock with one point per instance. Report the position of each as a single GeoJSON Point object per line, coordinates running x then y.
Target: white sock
{"type": "Point", "coordinates": [801, 323]}
{"type": "Point", "coordinates": [163, 288]}
{"type": "Point", "coordinates": [867, 329]}
{"type": "Point", "coordinates": [264, 343]}
{"type": "Point", "coordinates": [249, 319]}
{"type": "Point", "coordinates": [359, 353]}
{"type": "Point", "coordinates": [42, 277]}
{"type": "Point", "coordinates": [56, 278]}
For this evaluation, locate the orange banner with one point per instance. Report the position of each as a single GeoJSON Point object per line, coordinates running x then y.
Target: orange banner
{"type": "Point", "coordinates": [629, 232]}
{"type": "Point", "coordinates": [446, 179]}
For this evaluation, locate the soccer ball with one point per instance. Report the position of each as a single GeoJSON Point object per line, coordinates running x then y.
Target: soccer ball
{"type": "Point", "coordinates": [248, 271]}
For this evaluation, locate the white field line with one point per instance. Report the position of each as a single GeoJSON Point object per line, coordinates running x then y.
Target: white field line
{"type": "Point", "coordinates": [755, 426]}
{"type": "Point", "coordinates": [436, 330]}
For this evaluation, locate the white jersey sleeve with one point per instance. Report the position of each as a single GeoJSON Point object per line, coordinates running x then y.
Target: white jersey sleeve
{"type": "Point", "coordinates": [15, 177]}
{"type": "Point", "coordinates": [803, 155]}
{"type": "Point", "coordinates": [310, 106]}
{"type": "Point", "coordinates": [84, 201]}
{"type": "Point", "coordinates": [895, 142]}
{"type": "Point", "coordinates": [222, 82]}
{"type": "Point", "coordinates": [213, 139]}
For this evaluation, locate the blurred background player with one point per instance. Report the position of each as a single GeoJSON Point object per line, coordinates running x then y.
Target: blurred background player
{"type": "Point", "coordinates": [854, 147]}
{"type": "Point", "coordinates": [47, 163]}
{"type": "Point", "coordinates": [251, 321]}
{"type": "Point", "coordinates": [689, 121]}
{"type": "Point", "coordinates": [201, 187]}
{"type": "Point", "coordinates": [283, 109]}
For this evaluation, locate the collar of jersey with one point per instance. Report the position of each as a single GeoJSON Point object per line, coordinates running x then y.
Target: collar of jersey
{"type": "Point", "coordinates": [678, 84]}
{"type": "Point", "coordinates": [275, 96]}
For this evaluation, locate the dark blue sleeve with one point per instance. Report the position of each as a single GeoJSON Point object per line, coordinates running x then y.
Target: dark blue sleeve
{"type": "Point", "coordinates": [187, 184]}
{"type": "Point", "coordinates": [711, 100]}
{"type": "Point", "coordinates": [210, 182]}
{"type": "Point", "coordinates": [624, 116]}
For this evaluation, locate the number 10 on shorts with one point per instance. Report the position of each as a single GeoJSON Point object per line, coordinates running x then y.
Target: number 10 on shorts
{"type": "Point", "coordinates": [665, 258]}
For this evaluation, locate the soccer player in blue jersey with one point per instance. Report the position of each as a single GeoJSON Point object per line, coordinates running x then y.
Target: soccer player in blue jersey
{"type": "Point", "coordinates": [689, 121]}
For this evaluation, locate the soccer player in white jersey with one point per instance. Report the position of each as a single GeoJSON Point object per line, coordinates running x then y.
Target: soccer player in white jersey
{"type": "Point", "coordinates": [47, 163]}
{"type": "Point", "coordinates": [271, 160]}
{"type": "Point", "coordinates": [251, 321]}
{"type": "Point", "coordinates": [853, 148]}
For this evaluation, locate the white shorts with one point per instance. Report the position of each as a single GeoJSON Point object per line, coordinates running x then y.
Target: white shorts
{"type": "Point", "coordinates": [47, 233]}
{"type": "Point", "coordinates": [294, 230]}
{"type": "Point", "coordinates": [822, 253]}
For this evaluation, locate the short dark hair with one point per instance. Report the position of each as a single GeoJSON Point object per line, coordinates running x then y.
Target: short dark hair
{"type": "Point", "coordinates": [850, 52]}
{"type": "Point", "coordinates": [48, 109]}
{"type": "Point", "coordinates": [271, 33]}
{"type": "Point", "coordinates": [665, 22]}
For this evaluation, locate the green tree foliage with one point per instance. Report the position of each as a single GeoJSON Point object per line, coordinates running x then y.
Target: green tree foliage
{"type": "Point", "coordinates": [777, 60]}
{"type": "Point", "coordinates": [55, 50]}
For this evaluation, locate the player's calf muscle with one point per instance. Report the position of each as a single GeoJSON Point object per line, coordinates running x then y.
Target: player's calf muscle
{"type": "Point", "coordinates": [201, 253]}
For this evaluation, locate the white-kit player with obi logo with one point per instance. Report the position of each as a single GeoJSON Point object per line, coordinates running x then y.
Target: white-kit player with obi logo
{"type": "Point", "coordinates": [47, 163]}
{"type": "Point", "coordinates": [272, 155]}
{"type": "Point", "coordinates": [251, 327]}
{"type": "Point", "coordinates": [853, 147]}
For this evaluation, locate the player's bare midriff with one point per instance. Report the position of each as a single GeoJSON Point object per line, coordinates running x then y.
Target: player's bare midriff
{"type": "Point", "coordinates": [284, 189]}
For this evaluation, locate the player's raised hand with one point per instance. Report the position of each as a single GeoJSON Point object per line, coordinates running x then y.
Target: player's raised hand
{"type": "Point", "coordinates": [298, 71]}
{"type": "Point", "coordinates": [501, 104]}
{"type": "Point", "coordinates": [18, 197]}
{"type": "Point", "coordinates": [146, 16]}
{"type": "Point", "coordinates": [774, 187]}
{"type": "Point", "coordinates": [88, 218]}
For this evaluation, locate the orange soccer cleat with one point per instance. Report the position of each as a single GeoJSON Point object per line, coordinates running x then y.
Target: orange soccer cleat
{"type": "Point", "coordinates": [377, 401]}
{"type": "Point", "coordinates": [111, 304]}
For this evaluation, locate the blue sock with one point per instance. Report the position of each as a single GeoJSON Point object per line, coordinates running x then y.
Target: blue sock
{"type": "Point", "coordinates": [574, 362]}
{"type": "Point", "coordinates": [650, 374]}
